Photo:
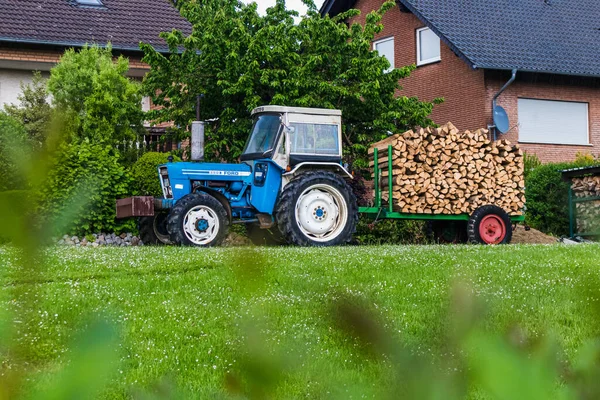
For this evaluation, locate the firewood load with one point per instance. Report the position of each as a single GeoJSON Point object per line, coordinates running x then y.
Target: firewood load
{"type": "Point", "coordinates": [445, 171]}
{"type": "Point", "coordinates": [588, 213]}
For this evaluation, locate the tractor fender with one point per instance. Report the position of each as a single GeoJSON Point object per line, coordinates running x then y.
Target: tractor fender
{"type": "Point", "coordinates": [339, 169]}
{"type": "Point", "coordinates": [219, 196]}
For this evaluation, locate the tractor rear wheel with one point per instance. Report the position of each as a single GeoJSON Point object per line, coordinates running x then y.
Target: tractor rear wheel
{"type": "Point", "coordinates": [153, 230]}
{"type": "Point", "coordinates": [264, 237]}
{"type": "Point", "coordinates": [489, 225]}
{"type": "Point", "coordinates": [317, 208]}
{"type": "Point", "coordinates": [198, 219]}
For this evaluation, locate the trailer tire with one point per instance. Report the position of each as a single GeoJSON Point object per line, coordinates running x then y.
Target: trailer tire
{"type": "Point", "coordinates": [153, 230]}
{"type": "Point", "coordinates": [317, 208]}
{"type": "Point", "coordinates": [489, 225]}
{"type": "Point", "coordinates": [264, 237]}
{"type": "Point", "coordinates": [198, 219]}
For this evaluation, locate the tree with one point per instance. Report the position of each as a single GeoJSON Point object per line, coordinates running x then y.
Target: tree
{"type": "Point", "coordinates": [239, 60]}
{"type": "Point", "coordinates": [103, 105]}
{"type": "Point", "coordinates": [34, 111]}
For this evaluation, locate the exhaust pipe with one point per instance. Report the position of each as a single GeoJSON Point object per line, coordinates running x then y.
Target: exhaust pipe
{"type": "Point", "coordinates": [197, 140]}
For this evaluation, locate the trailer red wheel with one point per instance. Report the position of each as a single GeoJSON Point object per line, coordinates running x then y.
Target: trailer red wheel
{"type": "Point", "coordinates": [492, 229]}
{"type": "Point", "coordinates": [489, 225]}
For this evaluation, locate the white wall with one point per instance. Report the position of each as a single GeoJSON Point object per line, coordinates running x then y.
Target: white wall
{"type": "Point", "coordinates": [10, 80]}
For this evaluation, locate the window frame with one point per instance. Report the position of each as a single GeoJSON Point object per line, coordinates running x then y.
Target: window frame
{"type": "Point", "coordinates": [387, 39]}
{"type": "Point", "coordinates": [588, 141]}
{"type": "Point", "coordinates": [88, 3]}
{"type": "Point", "coordinates": [429, 60]}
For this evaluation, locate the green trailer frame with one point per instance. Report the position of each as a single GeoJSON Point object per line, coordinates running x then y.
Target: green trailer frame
{"type": "Point", "coordinates": [380, 212]}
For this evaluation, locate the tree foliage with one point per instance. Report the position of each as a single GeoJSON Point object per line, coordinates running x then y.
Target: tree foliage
{"type": "Point", "coordinates": [103, 105]}
{"type": "Point", "coordinates": [239, 60]}
{"type": "Point", "coordinates": [33, 111]}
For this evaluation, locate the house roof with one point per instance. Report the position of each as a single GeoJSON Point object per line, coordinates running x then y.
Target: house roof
{"type": "Point", "coordinates": [547, 36]}
{"type": "Point", "coordinates": [124, 23]}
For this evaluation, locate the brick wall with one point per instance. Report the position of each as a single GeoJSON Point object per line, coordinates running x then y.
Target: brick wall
{"type": "Point", "coordinates": [462, 88]}
{"type": "Point", "coordinates": [51, 57]}
{"type": "Point", "coordinates": [546, 88]}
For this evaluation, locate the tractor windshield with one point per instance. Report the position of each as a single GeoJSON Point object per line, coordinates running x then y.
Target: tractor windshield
{"type": "Point", "coordinates": [262, 137]}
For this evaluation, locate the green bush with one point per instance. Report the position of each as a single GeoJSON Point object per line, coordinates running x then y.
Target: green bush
{"type": "Point", "coordinates": [145, 175]}
{"type": "Point", "coordinates": [547, 196]}
{"type": "Point", "coordinates": [84, 181]}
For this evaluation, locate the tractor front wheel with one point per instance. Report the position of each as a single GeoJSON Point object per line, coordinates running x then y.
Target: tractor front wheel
{"type": "Point", "coordinates": [153, 230]}
{"type": "Point", "coordinates": [489, 225]}
{"type": "Point", "coordinates": [317, 209]}
{"type": "Point", "coordinates": [198, 219]}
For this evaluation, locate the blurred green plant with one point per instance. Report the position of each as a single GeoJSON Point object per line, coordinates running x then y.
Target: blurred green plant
{"type": "Point", "coordinates": [92, 359]}
{"type": "Point", "coordinates": [145, 174]}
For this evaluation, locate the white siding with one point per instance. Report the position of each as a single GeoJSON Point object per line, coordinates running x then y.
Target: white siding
{"type": "Point", "coordinates": [555, 122]}
{"type": "Point", "coordinates": [10, 80]}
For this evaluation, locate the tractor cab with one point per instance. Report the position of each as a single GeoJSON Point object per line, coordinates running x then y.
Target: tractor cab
{"type": "Point", "coordinates": [293, 136]}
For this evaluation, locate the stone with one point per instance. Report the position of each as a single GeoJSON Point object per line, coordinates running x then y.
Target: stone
{"type": "Point", "coordinates": [135, 241]}
{"type": "Point", "coordinates": [101, 238]}
{"type": "Point", "coordinates": [95, 244]}
{"type": "Point", "coordinates": [123, 235]}
{"type": "Point", "coordinates": [65, 237]}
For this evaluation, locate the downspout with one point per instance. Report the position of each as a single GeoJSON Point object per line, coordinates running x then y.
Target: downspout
{"type": "Point", "coordinates": [506, 85]}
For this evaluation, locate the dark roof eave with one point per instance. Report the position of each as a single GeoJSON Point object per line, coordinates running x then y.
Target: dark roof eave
{"type": "Point", "coordinates": [160, 49]}
{"type": "Point", "coordinates": [534, 71]}
{"type": "Point", "coordinates": [577, 172]}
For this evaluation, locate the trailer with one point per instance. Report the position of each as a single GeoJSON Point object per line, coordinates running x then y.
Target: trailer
{"type": "Point", "coordinates": [487, 225]}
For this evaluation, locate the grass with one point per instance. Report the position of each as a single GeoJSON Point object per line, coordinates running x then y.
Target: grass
{"type": "Point", "coordinates": [187, 315]}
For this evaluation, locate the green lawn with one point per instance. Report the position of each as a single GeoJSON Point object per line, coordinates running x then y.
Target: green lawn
{"type": "Point", "coordinates": [186, 313]}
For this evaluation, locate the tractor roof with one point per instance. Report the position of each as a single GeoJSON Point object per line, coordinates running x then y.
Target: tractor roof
{"type": "Point", "coordinates": [296, 110]}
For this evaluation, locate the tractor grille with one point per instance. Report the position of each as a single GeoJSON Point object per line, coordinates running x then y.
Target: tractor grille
{"type": "Point", "coordinates": [165, 183]}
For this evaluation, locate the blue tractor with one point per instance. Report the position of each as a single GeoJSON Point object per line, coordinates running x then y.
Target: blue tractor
{"type": "Point", "coordinates": [290, 187]}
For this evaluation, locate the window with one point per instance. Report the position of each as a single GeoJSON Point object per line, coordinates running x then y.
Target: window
{"type": "Point", "coordinates": [428, 46]}
{"type": "Point", "coordinates": [321, 139]}
{"type": "Point", "coordinates": [555, 122]}
{"type": "Point", "coordinates": [90, 2]}
{"type": "Point", "coordinates": [146, 104]}
{"type": "Point", "coordinates": [385, 47]}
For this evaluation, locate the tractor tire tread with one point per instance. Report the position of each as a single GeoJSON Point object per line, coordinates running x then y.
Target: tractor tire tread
{"type": "Point", "coordinates": [175, 220]}
{"type": "Point", "coordinates": [477, 216]}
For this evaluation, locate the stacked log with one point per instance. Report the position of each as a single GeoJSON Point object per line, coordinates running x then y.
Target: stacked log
{"type": "Point", "coordinates": [445, 171]}
{"type": "Point", "coordinates": [587, 213]}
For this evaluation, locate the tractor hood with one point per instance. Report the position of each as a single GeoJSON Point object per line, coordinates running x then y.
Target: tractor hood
{"type": "Point", "coordinates": [177, 179]}
{"type": "Point", "coordinates": [208, 171]}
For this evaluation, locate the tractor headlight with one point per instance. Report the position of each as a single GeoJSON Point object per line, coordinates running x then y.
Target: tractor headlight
{"type": "Point", "coordinates": [165, 183]}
